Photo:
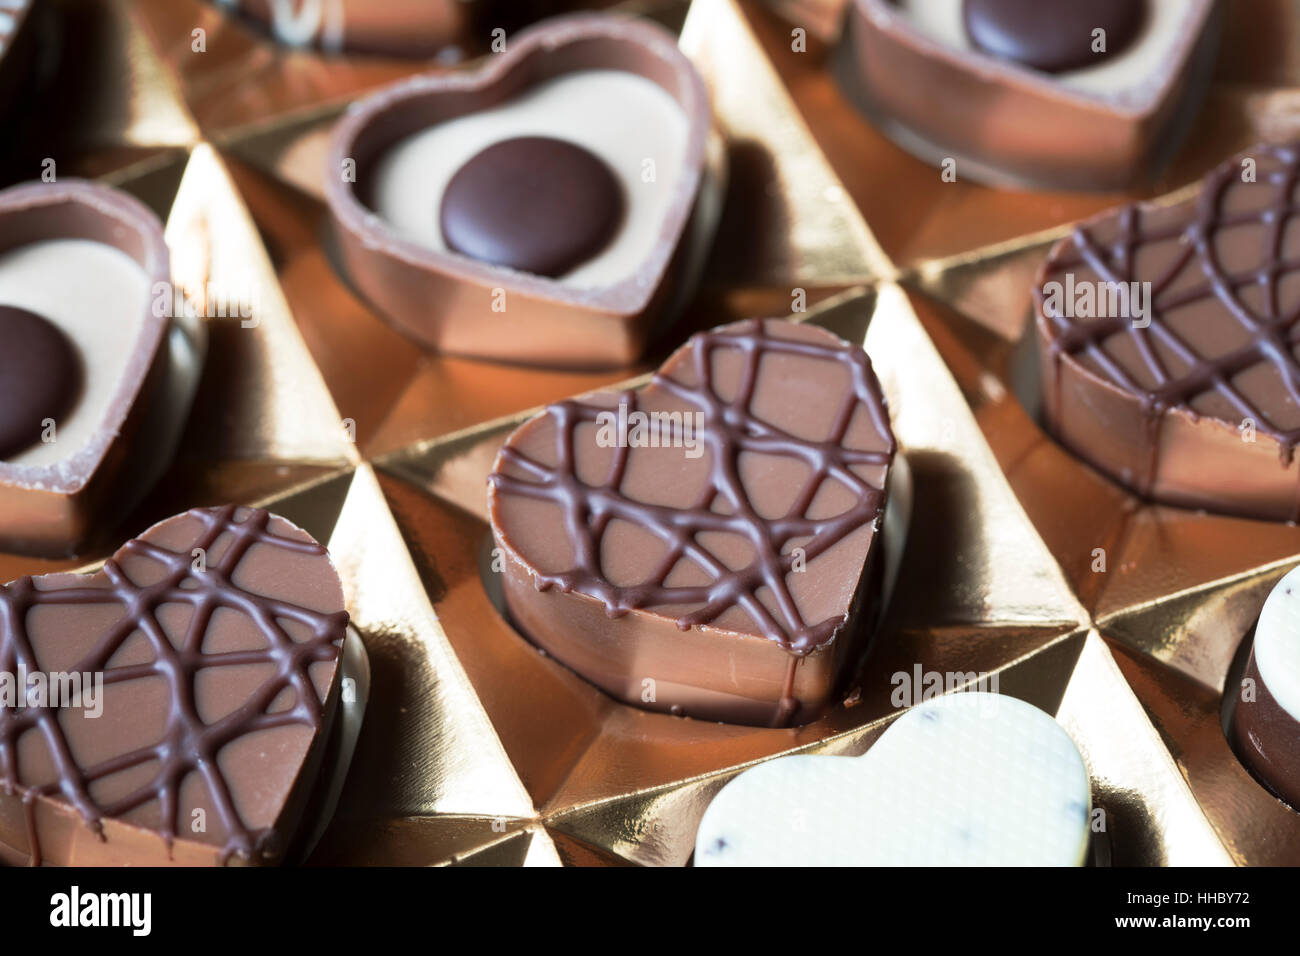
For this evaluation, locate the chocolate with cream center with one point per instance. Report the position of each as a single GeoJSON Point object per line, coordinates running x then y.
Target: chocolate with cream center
{"type": "Point", "coordinates": [628, 123]}
{"type": "Point", "coordinates": [1136, 48]}
{"type": "Point", "coordinates": [96, 296]}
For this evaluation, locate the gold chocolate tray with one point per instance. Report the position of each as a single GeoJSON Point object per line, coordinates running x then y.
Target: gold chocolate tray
{"type": "Point", "coordinates": [477, 749]}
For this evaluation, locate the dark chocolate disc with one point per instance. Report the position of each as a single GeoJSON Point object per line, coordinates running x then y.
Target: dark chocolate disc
{"type": "Point", "coordinates": [1051, 35]}
{"type": "Point", "coordinates": [533, 203]}
{"type": "Point", "coordinates": [40, 377]}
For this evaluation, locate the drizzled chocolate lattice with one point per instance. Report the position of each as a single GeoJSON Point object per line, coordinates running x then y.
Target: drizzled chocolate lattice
{"type": "Point", "coordinates": [214, 625]}
{"type": "Point", "coordinates": [1220, 276]}
{"type": "Point", "coordinates": [725, 505]}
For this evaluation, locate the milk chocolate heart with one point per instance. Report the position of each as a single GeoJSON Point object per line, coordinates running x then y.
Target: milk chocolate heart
{"type": "Point", "coordinates": [172, 706]}
{"type": "Point", "coordinates": [86, 359]}
{"type": "Point", "coordinates": [542, 210]}
{"type": "Point", "coordinates": [1168, 338]}
{"type": "Point", "coordinates": [968, 779]}
{"type": "Point", "coordinates": [707, 545]}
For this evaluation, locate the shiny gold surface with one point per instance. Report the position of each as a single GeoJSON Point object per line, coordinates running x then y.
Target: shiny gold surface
{"type": "Point", "coordinates": [477, 750]}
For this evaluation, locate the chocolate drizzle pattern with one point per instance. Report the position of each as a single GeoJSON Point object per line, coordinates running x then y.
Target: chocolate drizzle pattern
{"type": "Point", "coordinates": [188, 745]}
{"type": "Point", "coordinates": [1272, 336]}
{"type": "Point", "coordinates": [730, 430]}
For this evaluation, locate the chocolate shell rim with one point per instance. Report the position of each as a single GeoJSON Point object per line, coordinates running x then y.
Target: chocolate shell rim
{"type": "Point", "coordinates": [627, 297]}
{"type": "Point", "coordinates": [1045, 335]}
{"type": "Point", "coordinates": [1136, 102]}
{"type": "Point", "coordinates": [124, 212]}
{"type": "Point", "coordinates": [890, 534]}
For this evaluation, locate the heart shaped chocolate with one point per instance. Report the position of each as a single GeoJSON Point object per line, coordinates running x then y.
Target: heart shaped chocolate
{"type": "Point", "coordinates": [82, 433]}
{"type": "Point", "coordinates": [968, 779]}
{"type": "Point", "coordinates": [172, 706]}
{"type": "Point", "coordinates": [1168, 337]}
{"type": "Point", "coordinates": [707, 545]}
{"type": "Point", "coordinates": [541, 210]}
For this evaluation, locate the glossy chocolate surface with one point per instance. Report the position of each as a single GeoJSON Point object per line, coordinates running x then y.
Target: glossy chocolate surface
{"type": "Point", "coordinates": [1052, 35]}
{"type": "Point", "coordinates": [217, 635]}
{"type": "Point", "coordinates": [40, 376]}
{"type": "Point", "coordinates": [727, 578]}
{"type": "Point", "coordinates": [532, 203]}
{"type": "Point", "coordinates": [1196, 402]}
{"type": "Point", "coordinates": [1267, 738]}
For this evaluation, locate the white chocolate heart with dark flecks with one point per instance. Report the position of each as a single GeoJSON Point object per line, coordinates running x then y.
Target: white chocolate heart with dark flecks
{"type": "Point", "coordinates": [968, 779]}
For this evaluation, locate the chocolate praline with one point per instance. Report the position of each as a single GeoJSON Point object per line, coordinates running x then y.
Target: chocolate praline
{"type": "Point", "coordinates": [204, 663]}
{"type": "Point", "coordinates": [1168, 337]}
{"type": "Point", "coordinates": [708, 545]}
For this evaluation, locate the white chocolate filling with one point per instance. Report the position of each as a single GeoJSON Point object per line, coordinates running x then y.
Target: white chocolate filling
{"type": "Point", "coordinates": [1124, 71]}
{"type": "Point", "coordinates": [967, 779]}
{"type": "Point", "coordinates": [98, 296]}
{"type": "Point", "coordinates": [627, 120]}
{"type": "Point", "coordinates": [1277, 643]}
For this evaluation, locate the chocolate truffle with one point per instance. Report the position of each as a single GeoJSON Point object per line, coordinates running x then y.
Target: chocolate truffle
{"type": "Point", "coordinates": [171, 707]}
{"type": "Point", "coordinates": [40, 376]}
{"type": "Point", "coordinates": [968, 779]}
{"type": "Point", "coordinates": [1052, 35]}
{"type": "Point", "coordinates": [569, 263]}
{"type": "Point", "coordinates": [1167, 340]}
{"type": "Point", "coordinates": [1265, 723]}
{"type": "Point", "coordinates": [532, 203]}
{"type": "Point", "coordinates": [104, 444]}
{"type": "Point", "coordinates": [968, 81]}
{"type": "Point", "coordinates": [708, 545]}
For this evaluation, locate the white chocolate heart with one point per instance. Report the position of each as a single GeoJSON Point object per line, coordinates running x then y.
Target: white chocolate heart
{"type": "Point", "coordinates": [967, 779]}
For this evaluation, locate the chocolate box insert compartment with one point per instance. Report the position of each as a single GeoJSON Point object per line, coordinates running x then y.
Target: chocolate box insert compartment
{"type": "Point", "coordinates": [446, 300]}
